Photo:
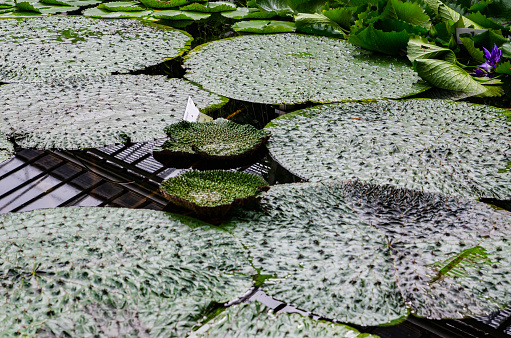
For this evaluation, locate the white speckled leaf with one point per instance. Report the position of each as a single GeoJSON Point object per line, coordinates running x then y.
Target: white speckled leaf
{"type": "Point", "coordinates": [65, 46]}
{"type": "Point", "coordinates": [430, 145]}
{"type": "Point", "coordinates": [293, 68]}
{"type": "Point", "coordinates": [96, 111]}
{"type": "Point", "coordinates": [116, 272]}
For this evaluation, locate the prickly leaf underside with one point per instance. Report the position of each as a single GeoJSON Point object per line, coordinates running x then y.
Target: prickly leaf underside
{"type": "Point", "coordinates": [256, 320]}
{"type": "Point", "coordinates": [429, 145]}
{"type": "Point", "coordinates": [218, 138]}
{"type": "Point", "coordinates": [292, 68]}
{"type": "Point", "coordinates": [60, 46]}
{"type": "Point", "coordinates": [90, 112]}
{"type": "Point", "coordinates": [106, 271]}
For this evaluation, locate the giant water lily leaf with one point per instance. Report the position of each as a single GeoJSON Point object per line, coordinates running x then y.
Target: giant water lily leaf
{"type": "Point", "coordinates": [318, 24]}
{"type": "Point", "coordinates": [292, 68]}
{"type": "Point", "coordinates": [123, 6]}
{"type": "Point", "coordinates": [42, 8]}
{"type": "Point", "coordinates": [429, 145]}
{"type": "Point", "coordinates": [338, 250]}
{"type": "Point", "coordinates": [165, 4]}
{"type": "Point", "coordinates": [107, 14]}
{"type": "Point", "coordinates": [256, 320]}
{"type": "Point", "coordinates": [6, 148]}
{"type": "Point", "coordinates": [84, 271]}
{"type": "Point", "coordinates": [264, 26]}
{"type": "Point", "coordinates": [248, 13]}
{"type": "Point", "coordinates": [325, 258]}
{"type": "Point", "coordinates": [34, 50]}
{"type": "Point", "coordinates": [210, 7]}
{"type": "Point", "coordinates": [170, 14]}
{"type": "Point", "coordinates": [91, 112]}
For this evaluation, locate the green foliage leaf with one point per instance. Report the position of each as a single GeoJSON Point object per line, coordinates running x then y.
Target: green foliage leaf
{"type": "Point", "coordinates": [297, 68]}
{"type": "Point", "coordinates": [482, 20]}
{"type": "Point", "coordinates": [504, 68]}
{"type": "Point", "coordinates": [92, 112]}
{"type": "Point", "coordinates": [264, 26]}
{"type": "Point", "coordinates": [113, 271]}
{"type": "Point", "coordinates": [318, 24]}
{"type": "Point", "coordinates": [421, 48]}
{"type": "Point", "coordinates": [123, 6]}
{"type": "Point", "coordinates": [475, 53]}
{"type": "Point", "coordinates": [210, 7]}
{"type": "Point", "coordinates": [430, 145]}
{"type": "Point", "coordinates": [281, 7]}
{"type": "Point", "coordinates": [406, 11]}
{"type": "Point", "coordinates": [506, 50]}
{"type": "Point", "coordinates": [446, 13]}
{"type": "Point", "coordinates": [158, 4]}
{"type": "Point", "coordinates": [170, 14]}
{"type": "Point", "coordinates": [248, 13]}
{"type": "Point", "coordinates": [118, 14]}
{"type": "Point", "coordinates": [489, 38]}
{"type": "Point", "coordinates": [385, 42]}
{"type": "Point", "coordinates": [341, 15]}
{"type": "Point", "coordinates": [42, 8]}
{"type": "Point", "coordinates": [83, 46]}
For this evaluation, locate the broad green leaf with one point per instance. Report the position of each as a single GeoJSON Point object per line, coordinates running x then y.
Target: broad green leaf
{"type": "Point", "coordinates": [256, 320]}
{"type": "Point", "coordinates": [433, 5]}
{"type": "Point", "coordinates": [489, 38]}
{"type": "Point", "coordinates": [318, 24]}
{"type": "Point", "coordinates": [342, 15]}
{"type": "Point", "coordinates": [39, 7]}
{"type": "Point", "coordinates": [485, 22]}
{"type": "Point", "coordinates": [406, 11]}
{"type": "Point", "coordinates": [248, 13]}
{"type": "Point", "coordinates": [118, 14]}
{"type": "Point", "coordinates": [83, 47]}
{"type": "Point", "coordinates": [398, 26]}
{"type": "Point", "coordinates": [479, 5]}
{"type": "Point", "coordinates": [281, 7]}
{"type": "Point", "coordinates": [444, 74]}
{"type": "Point", "coordinates": [293, 68]}
{"type": "Point", "coordinates": [264, 26]}
{"type": "Point", "coordinates": [504, 68]}
{"type": "Point", "coordinates": [6, 148]}
{"type": "Point", "coordinates": [210, 7]}
{"type": "Point", "coordinates": [92, 112]}
{"type": "Point", "coordinates": [429, 145]}
{"type": "Point", "coordinates": [474, 52]}
{"type": "Point", "coordinates": [446, 13]}
{"type": "Point", "coordinates": [385, 42]}
{"type": "Point", "coordinates": [170, 14]}
{"type": "Point", "coordinates": [421, 48]}
{"type": "Point", "coordinates": [307, 6]}
{"type": "Point", "coordinates": [123, 6]}
{"type": "Point", "coordinates": [158, 4]}
{"type": "Point", "coordinates": [20, 15]}
{"type": "Point", "coordinates": [113, 272]}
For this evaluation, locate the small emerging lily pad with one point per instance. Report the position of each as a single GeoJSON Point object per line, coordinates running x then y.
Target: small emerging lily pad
{"type": "Point", "coordinates": [264, 27]}
{"type": "Point", "coordinates": [211, 193]}
{"type": "Point", "coordinates": [180, 15]}
{"type": "Point", "coordinates": [210, 7]}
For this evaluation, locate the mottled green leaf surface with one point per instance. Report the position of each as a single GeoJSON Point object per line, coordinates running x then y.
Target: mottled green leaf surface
{"type": "Point", "coordinates": [171, 14]}
{"type": "Point", "coordinates": [96, 111]}
{"type": "Point", "coordinates": [124, 6]}
{"type": "Point", "coordinates": [327, 260]}
{"type": "Point", "coordinates": [6, 148]}
{"type": "Point", "coordinates": [59, 46]}
{"type": "Point", "coordinates": [428, 145]}
{"type": "Point", "coordinates": [264, 26]}
{"type": "Point", "coordinates": [293, 68]}
{"type": "Point", "coordinates": [107, 14]}
{"type": "Point", "coordinates": [248, 13]}
{"type": "Point", "coordinates": [218, 138]}
{"type": "Point", "coordinates": [210, 7]}
{"type": "Point", "coordinates": [113, 272]}
{"type": "Point", "coordinates": [256, 320]}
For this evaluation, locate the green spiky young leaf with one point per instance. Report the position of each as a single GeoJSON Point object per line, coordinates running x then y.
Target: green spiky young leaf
{"type": "Point", "coordinates": [410, 12]}
{"type": "Point", "coordinates": [123, 6]}
{"type": "Point", "coordinates": [341, 15]}
{"type": "Point", "coordinates": [482, 20]}
{"type": "Point", "coordinates": [391, 43]}
{"type": "Point", "coordinates": [243, 13]}
{"type": "Point", "coordinates": [474, 52]}
{"type": "Point", "coordinates": [318, 24]}
{"type": "Point", "coordinates": [210, 7]}
{"type": "Point", "coordinates": [6, 148]}
{"type": "Point", "coordinates": [115, 272]}
{"type": "Point", "coordinates": [430, 145]}
{"type": "Point", "coordinates": [292, 68]}
{"type": "Point", "coordinates": [256, 320]}
{"type": "Point", "coordinates": [91, 112]}
{"type": "Point", "coordinates": [117, 14]}
{"type": "Point", "coordinates": [504, 68]}
{"type": "Point", "coordinates": [83, 46]}
{"type": "Point", "coordinates": [219, 139]}
{"type": "Point", "coordinates": [212, 192]}
{"type": "Point", "coordinates": [446, 13]}
{"type": "Point", "coordinates": [170, 14]}
{"type": "Point", "coordinates": [264, 26]}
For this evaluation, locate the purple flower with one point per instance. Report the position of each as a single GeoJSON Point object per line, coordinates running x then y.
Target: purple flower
{"type": "Point", "coordinates": [492, 58]}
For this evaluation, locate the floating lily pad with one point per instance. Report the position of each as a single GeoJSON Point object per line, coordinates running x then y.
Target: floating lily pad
{"type": "Point", "coordinates": [293, 68]}
{"type": "Point", "coordinates": [59, 46]}
{"type": "Point", "coordinates": [180, 15]}
{"type": "Point", "coordinates": [116, 272]}
{"type": "Point", "coordinates": [367, 254]}
{"type": "Point", "coordinates": [216, 141]}
{"type": "Point", "coordinates": [42, 8]}
{"type": "Point", "coordinates": [211, 193]}
{"type": "Point", "coordinates": [248, 13]}
{"type": "Point", "coordinates": [430, 145]}
{"type": "Point", "coordinates": [210, 7]}
{"type": "Point", "coordinates": [91, 112]}
{"type": "Point", "coordinates": [165, 4]}
{"type": "Point", "coordinates": [106, 14]}
{"type": "Point", "coordinates": [123, 6]}
{"type": "Point", "coordinates": [256, 320]}
{"type": "Point", "coordinates": [6, 148]}
{"type": "Point", "coordinates": [264, 27]}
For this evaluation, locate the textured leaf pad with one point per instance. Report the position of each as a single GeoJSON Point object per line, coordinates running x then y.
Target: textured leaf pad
{"type": "Point", "coordinates": [292, 68]}
{"type": "Point", "coordinates": [348, 251]}
{"type": "Point", "coordinates": [256, 320]}
{"type": "Point", "coordinates": [115, 272]}
{"type": "Point", "coordinates": [6, 148]}
{"type": "Point", "coordinates": [59, 46]}
{"type": "Point", "coordinates": [430, 145]}
{"type": "Point", "coordinates": [91, 112]}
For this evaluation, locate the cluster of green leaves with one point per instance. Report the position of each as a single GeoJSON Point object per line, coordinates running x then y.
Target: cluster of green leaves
{"type": "Point", "coordinates": [33, 8]}
{"type": "Point", "coordinates": [156, 9]}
